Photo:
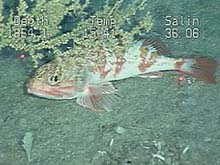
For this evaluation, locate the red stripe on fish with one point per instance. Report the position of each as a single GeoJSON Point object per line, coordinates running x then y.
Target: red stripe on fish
{"type": "Point", "coordinates": [120, 61]}
{"type": "Point", "coordinates": [58, 92]}
{"type": "Point", "coordinates": [148, 57]}
{"type": "Point", "coordinates": [101, 70]}
{"type": "Point", "coordinates": [67, 87]}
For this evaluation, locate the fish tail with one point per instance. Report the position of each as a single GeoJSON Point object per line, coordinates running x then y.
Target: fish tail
{"type": "Point", "coordinates": [204, 69]}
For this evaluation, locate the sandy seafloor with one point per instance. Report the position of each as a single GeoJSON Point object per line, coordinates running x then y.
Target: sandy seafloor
{"type": "Point", "coordinates": [155, 122]}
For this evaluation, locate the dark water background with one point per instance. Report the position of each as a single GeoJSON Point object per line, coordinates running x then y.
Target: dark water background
{"type": "Point", "coordinates": [156, 122]}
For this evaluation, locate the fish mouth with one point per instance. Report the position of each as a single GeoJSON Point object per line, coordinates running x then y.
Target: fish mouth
{"type": "Point", "coordinates": [36, 92]}
{"type": "Point", "coordinates": [40, 93]}
{"type": "Point", "coordinates": [57, 94]}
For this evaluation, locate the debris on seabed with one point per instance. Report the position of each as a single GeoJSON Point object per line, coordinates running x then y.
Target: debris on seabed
{"type": "Point", "coordinates": [111, 142]}
{"type": "Point", "coordinates": [120, 130]}
{"type": "Point", "coordinates": [185, 150]}
{"type": "Point", "coordinates": [158, 156]}
{"type": "Point", "coordinates": [102, 152]}
{"type": "Point", "coordinates": [27, 144]}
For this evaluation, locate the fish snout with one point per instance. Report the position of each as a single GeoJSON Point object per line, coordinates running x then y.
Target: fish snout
{"type": "Point", "coordinates": [30, 85]}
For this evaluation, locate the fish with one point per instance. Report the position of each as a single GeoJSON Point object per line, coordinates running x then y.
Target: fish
{"type": "Point", "coordinates": [89, 79]}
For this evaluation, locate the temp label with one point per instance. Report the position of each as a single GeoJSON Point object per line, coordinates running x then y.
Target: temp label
{"type": "Point", "coordinates": [182, 26]}
{"type": "Point", "coordinates": [100, 28]}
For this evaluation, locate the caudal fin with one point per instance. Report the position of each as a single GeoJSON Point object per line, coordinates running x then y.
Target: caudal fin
{"type": "Point", "coordinates": [201, 68]}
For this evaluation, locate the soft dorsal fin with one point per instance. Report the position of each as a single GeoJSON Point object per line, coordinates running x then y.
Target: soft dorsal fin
{"type": "Point", "coordinates": [157, 44]}
{"type": "Point", "coordinates": [154, 42]}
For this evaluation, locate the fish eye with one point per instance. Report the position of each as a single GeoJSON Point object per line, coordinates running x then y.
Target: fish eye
{"type": "Point", "coordinates": [53, 79]}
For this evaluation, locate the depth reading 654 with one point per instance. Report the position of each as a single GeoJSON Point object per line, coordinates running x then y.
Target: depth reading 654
{"type": "Point", "coordinates": [178, 27]}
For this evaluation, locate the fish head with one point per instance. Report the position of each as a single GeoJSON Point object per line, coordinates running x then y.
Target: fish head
{"type": "Point", "coordinates": [53, 81]}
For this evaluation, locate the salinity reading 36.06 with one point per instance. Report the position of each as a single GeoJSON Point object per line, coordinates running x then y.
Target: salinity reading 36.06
{"type": "Point", "coordinates": [182, 26]}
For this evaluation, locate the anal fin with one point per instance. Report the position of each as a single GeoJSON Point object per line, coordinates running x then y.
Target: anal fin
{"type": "Point", "coordinates": [151, 75]}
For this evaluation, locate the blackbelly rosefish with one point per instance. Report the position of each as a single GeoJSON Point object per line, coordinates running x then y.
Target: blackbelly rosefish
{"type": "Point", "coordinates": [90, 81]}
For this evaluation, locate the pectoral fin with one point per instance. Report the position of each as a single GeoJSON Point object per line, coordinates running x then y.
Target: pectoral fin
{"type": "Point", "coordinates": [98, 97]}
